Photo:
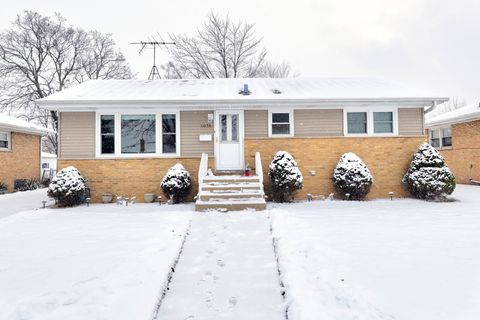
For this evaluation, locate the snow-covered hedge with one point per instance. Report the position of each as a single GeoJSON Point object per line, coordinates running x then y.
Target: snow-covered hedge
{"type": "Point", "coordinates": [67, 187]}
{"type": "Point", "coordinates": [428, 177]}
{"type": "Point", "coordinates": [285, 177]}
{"type": "Point", "coordinates": [352, 176]}
{"type": "Point", "coordinates": [177, 183]}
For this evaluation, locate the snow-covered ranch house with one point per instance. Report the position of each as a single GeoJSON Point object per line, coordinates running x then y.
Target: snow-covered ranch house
{"type": "Point", "coordinates": [20, 150]}
{"type": "Point", "coordinates": [123, 135]}
{"type": "Point", "coordinates": [457, 135]}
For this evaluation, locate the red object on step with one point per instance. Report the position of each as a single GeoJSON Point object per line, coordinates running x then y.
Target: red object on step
{"type": "Point", "coordinates": [247, 171]}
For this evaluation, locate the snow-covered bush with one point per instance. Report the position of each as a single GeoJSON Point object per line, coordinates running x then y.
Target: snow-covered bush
{"type": "Point", "coordinates": [352, 176]}
{"type": "Point", "coordinates": [428, 177]}
{"type": "Point", "coordinates": [285, 177]}
{"type": "Point", "coordinates": [177, 183]}
{"type": "Point", "coordinates": [67, 187]}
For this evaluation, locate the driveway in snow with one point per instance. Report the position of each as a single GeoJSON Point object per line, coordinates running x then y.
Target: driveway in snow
{"type": "Point", "coordinates": [97, 262]}
{"type": "Point", "coordinates": [401, 259]}
{"type": "Point", "coordinates": [227, 270]}
{"type": "Point", "coordinates": [12, 203]}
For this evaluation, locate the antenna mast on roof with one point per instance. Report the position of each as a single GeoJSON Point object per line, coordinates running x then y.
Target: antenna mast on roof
{"type": "Point", "coordinates": [143, 44]}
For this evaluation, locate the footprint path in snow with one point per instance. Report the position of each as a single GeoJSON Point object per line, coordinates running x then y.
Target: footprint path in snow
{"type": "Point", "coordinates": [227, 270]}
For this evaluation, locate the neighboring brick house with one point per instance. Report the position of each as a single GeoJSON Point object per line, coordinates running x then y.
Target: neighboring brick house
{"type": "Point", "coordinates": [457, 135]}
{"type": "Point", "coordinates": [124, 134]}
{"type": "Point", "coordinates": [20, 148]}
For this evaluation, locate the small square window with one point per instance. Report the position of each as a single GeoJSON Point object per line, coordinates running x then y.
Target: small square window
{"type": "Point", "coordinates": [357, 122]}
{"type": "Point", "coordinates": [383, 122]}
{"type": "Point", "coordinates": [281, 123]}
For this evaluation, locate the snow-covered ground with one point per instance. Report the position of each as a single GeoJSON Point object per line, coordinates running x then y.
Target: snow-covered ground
{"type": "Point", "coordinates": [97, 262]}
{"type": "Point", "coordinates": [20, 201]}
{"type": "Point", "coordinates": [401, 259]}
{"type": "Point", "coordinates": [227, 270]}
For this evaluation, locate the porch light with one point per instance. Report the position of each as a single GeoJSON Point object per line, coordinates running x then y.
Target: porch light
{"type": "Point", "coordinates": [391, 194]}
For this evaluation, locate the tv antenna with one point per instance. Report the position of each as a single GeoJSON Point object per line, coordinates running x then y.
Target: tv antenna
{"type": "Point", "coordinates": [153, 44]}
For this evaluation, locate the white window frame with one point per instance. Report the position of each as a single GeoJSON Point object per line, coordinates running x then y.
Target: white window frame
{"type": "Point", "coordinates": [440, 137]}
{"type": "Point", "coordinates": [290, 118]}
{"type": "Point", "coordinates": [9, 141]}
{"type": "Point", "coordinates": [118, 134]}
{"type": "Point", "coordinates": [370, 122]}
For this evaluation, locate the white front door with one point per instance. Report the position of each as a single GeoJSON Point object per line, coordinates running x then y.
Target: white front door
{"type": "Point", "coordinates": [229, 140]}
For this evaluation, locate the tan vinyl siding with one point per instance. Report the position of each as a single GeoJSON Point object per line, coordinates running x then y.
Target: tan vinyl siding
{"type": "Point", "coordinates": [193, 124]}
{"type": "Point", "coordinates": [318, 122]}
{"type": "Point", "coordinates": [77, 135]}
{"type": "Point", "coordinates": [410, 121]}
{"type": "Point", "coordinates": [256, 123]}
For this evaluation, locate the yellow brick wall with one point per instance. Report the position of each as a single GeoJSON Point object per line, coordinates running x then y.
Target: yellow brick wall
{"type": "Point", "coordinates": [387, 159]}
{"type": "Point", "coordinates": [22, 161]}
{"type": "Point", "coordinates": [128, 177]}
{"type": "Point", "coordinates": [464, 156]}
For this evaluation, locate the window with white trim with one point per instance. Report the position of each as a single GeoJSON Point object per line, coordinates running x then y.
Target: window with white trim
{"type": "Point", "coordinates": [169, 133]}
{"type": "Point", "coordinates": [440, 137]}
{"type": "Point", "coordinates": [280, 123]}
{"type": "Point", "coordinates": [4, 141]}
{"type": "Point", "coordinates": [138, 133]}
{"type": "Point", "coordinates": [107, 134]}
{"type": "Point", "coordinates": [383, 122]}
{"type": "Point", "coordinates": [357, 122]}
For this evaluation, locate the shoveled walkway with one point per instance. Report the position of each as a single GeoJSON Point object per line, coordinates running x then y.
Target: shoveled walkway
{"type": "Point", "coordinates": [227, 270]}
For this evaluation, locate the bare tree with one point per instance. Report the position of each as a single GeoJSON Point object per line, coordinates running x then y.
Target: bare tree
{"type": "Point", "coordinates": [222, 48]}
{"type": "Point", "coordinates": [41, 55]}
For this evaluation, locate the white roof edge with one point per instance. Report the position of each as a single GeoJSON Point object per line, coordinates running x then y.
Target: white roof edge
{"type": "Point", "coordinates": [66, 104]}
{"type": "Point", "coordinates": [460, 115]}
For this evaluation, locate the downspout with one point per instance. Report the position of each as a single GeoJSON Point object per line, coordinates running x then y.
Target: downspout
{"type": "Point", "coordinates": [433, 107]}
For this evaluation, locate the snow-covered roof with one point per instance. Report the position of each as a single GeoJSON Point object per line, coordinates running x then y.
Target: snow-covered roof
{"type": "Point", "coordinates": [48, 155]}
{"type": "Point", "coordinates": [196, 92]}
{"type": "Point", "coordinates": [18, 125]}
{"type": "Point", "coordinates": [464, 114]}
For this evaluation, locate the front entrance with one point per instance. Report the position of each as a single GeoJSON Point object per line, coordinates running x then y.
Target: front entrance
{"type": "Point", "coordinates": [229, 140]}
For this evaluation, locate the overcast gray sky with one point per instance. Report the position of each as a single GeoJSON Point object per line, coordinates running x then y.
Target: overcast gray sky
{"type": "Point", "coordinates": [434, 45]}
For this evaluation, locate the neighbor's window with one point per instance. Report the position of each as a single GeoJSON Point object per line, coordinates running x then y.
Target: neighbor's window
{"type": "Point", "coordinates": [107, 131]}
{"type": "Point", "coordinates": [446, 137]}
{"type": "Point", "coordinates": [357, 122]}
{"type": "Point", "coordinates": [4, 140]}
{"type": "Point", "coordinates": [383, 122]}
{"type": "Point", "coordinates": [138, 133]}
{"type": "Point", "coordinates": [435, 138]}
{"type": "Point", "coordinates": [281, 123]}
{"type": "Point", "coordinates": [169, 133]}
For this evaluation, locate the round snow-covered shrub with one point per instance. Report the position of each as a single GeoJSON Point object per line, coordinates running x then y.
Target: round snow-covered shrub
{"type": "Point", "coordinates": [285, 177]}
{"type": "Point", "coordinates": [428, 177]}
{"type": "Point", "coordinates": [352, 176]}
{"type": "Point", "coordinates": [177, 183]}
{"type": "Point", "coordinates": [67, 187]}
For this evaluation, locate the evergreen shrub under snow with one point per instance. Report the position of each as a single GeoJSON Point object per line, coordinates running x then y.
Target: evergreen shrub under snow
{"type": "Point", "coordinates": [67, 187]}
{"type": "Point", "coordinates": [428, 177]}
{"type": "Point", "coordinates": [177, 183]}
{"type": "Point", "coordinates": [285, 177]}
{"type": "Point", "coordinates": [352, 176]}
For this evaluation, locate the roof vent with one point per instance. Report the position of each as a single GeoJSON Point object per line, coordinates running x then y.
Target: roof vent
{"type": "Point", "coordinates": [276, 91]}
{"type": "Point", "coordinates": [245, 90]}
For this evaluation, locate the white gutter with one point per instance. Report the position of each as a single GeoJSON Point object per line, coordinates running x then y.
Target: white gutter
{"type": "Point", "coordinates": [33, 130]}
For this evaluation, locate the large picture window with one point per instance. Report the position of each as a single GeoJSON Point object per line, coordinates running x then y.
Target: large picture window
{"type": "Point", "coordinates": [169, 133]}
{"type": "Point", "coordinates": [107, 132]}
{"type": "Point", "coordinates": [4, 140]}
{"type": "Point", "coordinates": [138, 133]}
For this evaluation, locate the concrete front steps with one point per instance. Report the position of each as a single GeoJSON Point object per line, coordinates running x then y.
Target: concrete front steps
{"type": "Point", "coordinates": [230, 193]}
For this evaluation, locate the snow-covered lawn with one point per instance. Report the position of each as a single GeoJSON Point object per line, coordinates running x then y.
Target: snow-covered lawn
{"type": "Point", "coordinates": [101, 262]}
{"type": "Point", "coordinates": [401, 259]}
{"type": "Point", "coordinates": [12, 203]}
